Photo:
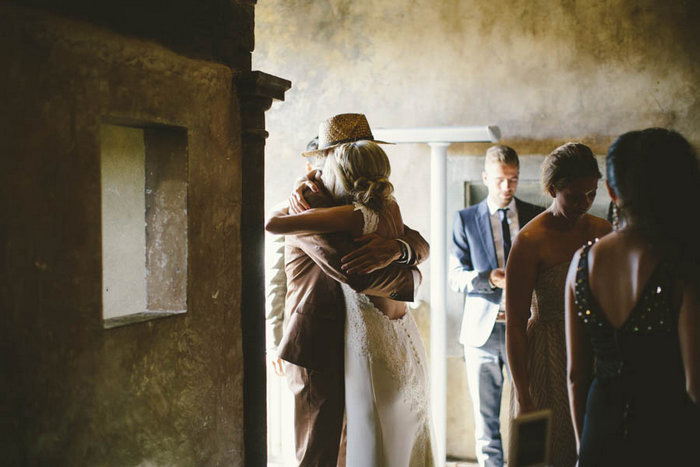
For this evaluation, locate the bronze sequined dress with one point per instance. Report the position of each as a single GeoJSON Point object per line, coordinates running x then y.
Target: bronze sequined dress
{"type": "Point", "coordinates": [546, 355]}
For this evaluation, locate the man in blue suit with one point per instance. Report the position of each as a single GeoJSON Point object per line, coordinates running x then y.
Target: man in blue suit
{"type": "Point", "coordinates": [481, 238]}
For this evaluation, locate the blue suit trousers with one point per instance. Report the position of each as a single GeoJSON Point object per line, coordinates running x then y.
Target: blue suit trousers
{"type": "Point", "coordinates": [485, 377]}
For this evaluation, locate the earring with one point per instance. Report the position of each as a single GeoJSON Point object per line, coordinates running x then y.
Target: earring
{"type": "Point", "coordinates": [615, 217]}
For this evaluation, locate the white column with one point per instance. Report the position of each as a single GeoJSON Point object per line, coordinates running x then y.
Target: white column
{"type": "Point", "coordinates": [438, 293]}
{"type": "Point", "coordinates": [439, 138]}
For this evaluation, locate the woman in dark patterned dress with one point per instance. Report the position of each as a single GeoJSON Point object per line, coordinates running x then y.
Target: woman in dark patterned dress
{"type": "Point", "coordinates": [633, 312]}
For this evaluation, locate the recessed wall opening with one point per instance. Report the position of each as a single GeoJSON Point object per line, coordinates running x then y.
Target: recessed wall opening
{"type": "Point", "coordinates": [144, 222]}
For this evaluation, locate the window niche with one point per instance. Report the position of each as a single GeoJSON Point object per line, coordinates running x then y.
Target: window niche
{"type": "Point", "coordinates": [144, 222]}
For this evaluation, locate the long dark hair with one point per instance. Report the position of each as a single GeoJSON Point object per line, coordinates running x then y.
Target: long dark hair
{"type": "Point", "coordinates": [654, 172]}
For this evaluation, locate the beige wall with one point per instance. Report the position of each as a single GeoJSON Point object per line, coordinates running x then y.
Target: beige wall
{"type": "Point", "coordinates": [544, 71]}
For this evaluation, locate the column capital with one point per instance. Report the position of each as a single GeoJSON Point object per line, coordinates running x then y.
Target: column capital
{"type": "Point", "coordinates": [256, 91]}
{"type": "Point", "coordinates": [261, 84]}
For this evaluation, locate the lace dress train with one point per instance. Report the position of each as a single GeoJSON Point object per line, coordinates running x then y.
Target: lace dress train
{"type": "Point", "coordinates": [386, 384]}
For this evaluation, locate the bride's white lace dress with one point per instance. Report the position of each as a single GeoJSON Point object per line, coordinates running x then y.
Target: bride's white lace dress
{"type": "Point", "coordinates": [386, 384]}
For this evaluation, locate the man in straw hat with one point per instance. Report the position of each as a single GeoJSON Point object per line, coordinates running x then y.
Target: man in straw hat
{"type": "Point", "coordinates": [313, 341]}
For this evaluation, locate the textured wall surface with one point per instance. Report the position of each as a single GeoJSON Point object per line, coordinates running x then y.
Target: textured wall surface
{"type": "Point", "coordinates": [163, 392]}
{"type": "Point", "coordinates": [545, 72]}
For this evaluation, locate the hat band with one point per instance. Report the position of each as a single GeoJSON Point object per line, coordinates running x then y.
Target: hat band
{"type": "Point", "coordinates": [349, 140]}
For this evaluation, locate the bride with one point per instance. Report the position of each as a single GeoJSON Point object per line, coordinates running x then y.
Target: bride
{"type": "Point", "coordinates": [386, 378]}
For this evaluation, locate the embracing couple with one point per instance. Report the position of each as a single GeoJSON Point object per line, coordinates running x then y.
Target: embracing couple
{"type": "Point", "coordinates": [352, 346]}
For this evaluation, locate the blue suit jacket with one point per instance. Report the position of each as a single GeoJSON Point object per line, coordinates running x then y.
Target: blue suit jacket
{"type": "Point", "coordinates": [473, 257]}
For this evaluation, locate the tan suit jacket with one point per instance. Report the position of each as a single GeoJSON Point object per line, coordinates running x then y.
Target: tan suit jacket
{"type": "Point", "coordinates": [315, 305]}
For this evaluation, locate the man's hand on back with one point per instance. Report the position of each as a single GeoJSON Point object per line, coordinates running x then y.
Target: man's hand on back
{"type": "Point", "coordinates": [376, 253]}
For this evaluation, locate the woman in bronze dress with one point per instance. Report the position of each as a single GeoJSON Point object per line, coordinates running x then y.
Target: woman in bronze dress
{"type": "Point", "coordinates": [538, 262]}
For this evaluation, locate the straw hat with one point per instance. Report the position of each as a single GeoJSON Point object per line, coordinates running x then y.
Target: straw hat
{"type": "Point", "coordinates": [343, 128]}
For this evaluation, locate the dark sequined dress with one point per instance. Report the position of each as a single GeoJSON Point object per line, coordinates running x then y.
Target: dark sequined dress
{"type": "Point", "coordinates": [637, 411]}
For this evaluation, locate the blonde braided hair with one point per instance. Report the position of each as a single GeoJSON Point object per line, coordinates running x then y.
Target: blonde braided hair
{"type": "Point", "coordinates": [359, 172]}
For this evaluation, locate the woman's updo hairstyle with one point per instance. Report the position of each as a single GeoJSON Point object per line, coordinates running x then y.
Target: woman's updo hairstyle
{"type": "Point", "coordinates": [654, 174]}
{"type": "Point", "coordinates": [569, 161]}
{"type": "Point", "coordinates": [359, 172]}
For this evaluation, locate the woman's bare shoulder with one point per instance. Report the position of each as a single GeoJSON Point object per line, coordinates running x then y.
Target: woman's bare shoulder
{"type": "Point", "coordinates": [599, 226]}
{"type": "Point", "coordinates": [607, 242]}
{"type": "Point", "coordinates": [610, 253]}
{"type": "Point", "coordinates": [534, 231]}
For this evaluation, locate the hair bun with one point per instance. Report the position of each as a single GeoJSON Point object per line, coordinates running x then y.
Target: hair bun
{"type": "Point", "coordinates": [372, 193]}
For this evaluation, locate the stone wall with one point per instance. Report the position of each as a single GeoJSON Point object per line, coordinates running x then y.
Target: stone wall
{"type": "Point", "coordinates": [166, 391]}
{"type": "Point", "coordinates": [545, 72]}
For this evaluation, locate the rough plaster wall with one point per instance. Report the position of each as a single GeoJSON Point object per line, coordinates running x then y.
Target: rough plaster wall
{"type": "Point", "coordinates": [545, 72]}
{"type": "Point", "coordinates": [165, 392]}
